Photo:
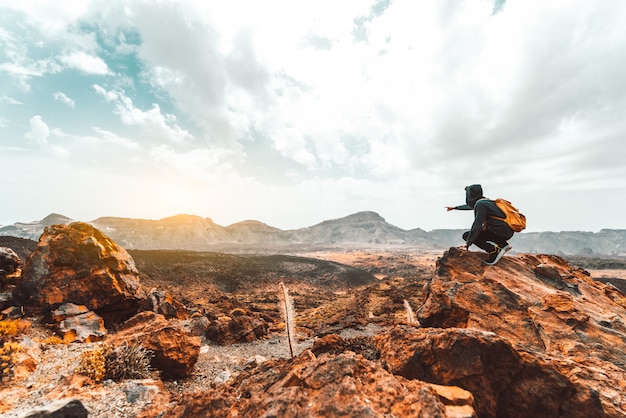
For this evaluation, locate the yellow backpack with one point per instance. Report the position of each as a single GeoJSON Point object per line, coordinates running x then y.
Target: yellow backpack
{"type": "Point", "coordinates": [515, 219]}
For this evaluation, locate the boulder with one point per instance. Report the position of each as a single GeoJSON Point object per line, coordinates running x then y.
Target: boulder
{"type": "Point", "coordinates": [77, 323]}
{"type": "Point", "coordinates": [9, 261]}
{"type": "Point", "coordinates": [78, 264]}
{"type": "Point", "coordinates": [161, 302]}
{"type": "Point", "coordinates": [345, 385]}
{"type": "Point", "coordinates": [539, 301]}
{"type": "Point", "coordinates": [12, 312]}
{"type": "Point", "coordinates": [504, 380]}
{"type": "Point", "coordinates": [198, 325]}
{"type": "Point", "coordinates": [62, 408]}
{"type": "Point", "coordinates": [238, 328]}
{"type": "Point", "coordinates": [175, 349]}
{"type": "Point", "coordinates": [529, 327]}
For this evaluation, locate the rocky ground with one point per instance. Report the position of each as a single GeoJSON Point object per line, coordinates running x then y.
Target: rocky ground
{"type": "Point", "coordinates": [319, 283]}
{"type": "Point", "coordinates": [350, 293]}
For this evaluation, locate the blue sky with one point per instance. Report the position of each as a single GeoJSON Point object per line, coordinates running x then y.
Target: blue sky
{"type": "Point", "coordinates": [293, 112]}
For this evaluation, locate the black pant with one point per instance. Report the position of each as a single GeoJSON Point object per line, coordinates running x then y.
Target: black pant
{"type": "Point", "coordinates": [488, 235]}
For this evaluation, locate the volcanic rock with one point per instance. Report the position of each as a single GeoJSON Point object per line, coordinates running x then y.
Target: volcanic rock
{"type": "Point", "coordinates": [240, 327]}
{"type": "Point", "coordinates": [77, 323]}
{"type": "Point", "coordinates": [9, 261]}
{"type": "Point", "coordinates": [63, 408]}
{"type": "Point", "coordinates": [175, 350]}
{"type": "Point", "coordinates": [346, 384]}
{"type": "Point", "coordinates": [12, 312]}
{"type": "Point", "coordinates": [530, 331]}
{"type": "Point", "coordinates": [161, 302]}
{"type": "Point", "coordinates": [22, 246]}
{"type": "Point", "coordinates": [504, 381]}
{"type": "Point", "coordinates": [538, 301]}
{"type": "Point", "coordinates": [78, 264]}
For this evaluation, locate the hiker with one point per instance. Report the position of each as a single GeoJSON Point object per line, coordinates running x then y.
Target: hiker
{"type": "Point", "coordinates": [487, 233]}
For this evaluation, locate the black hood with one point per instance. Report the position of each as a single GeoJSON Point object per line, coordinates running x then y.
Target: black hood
{"type": "Point", "coordinates": [472, 194]}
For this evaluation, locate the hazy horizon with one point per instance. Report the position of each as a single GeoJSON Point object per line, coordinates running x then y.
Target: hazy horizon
{"type": "Point", "coordinates": [286, 229]}
{"type": "Point", "coordinates": [291, 113]}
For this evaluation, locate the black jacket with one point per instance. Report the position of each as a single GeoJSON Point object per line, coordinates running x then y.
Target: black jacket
{"type": "Point", "coordinates": [484, 209]}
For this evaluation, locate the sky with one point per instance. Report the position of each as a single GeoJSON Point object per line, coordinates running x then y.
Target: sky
{"type": "Point", "coordinates": [295, 112]}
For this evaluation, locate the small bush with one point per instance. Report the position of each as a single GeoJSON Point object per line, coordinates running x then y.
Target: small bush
{"type": "Point", "coordinates": [8, 354]}
{"type": "Point", "coordinates": [53, 340]}
{"type": "Point", "coordinates": [128, 362]}
{"type": "Point", "coordinates": [93, 362]}
{"type": "Point", "coordinates": [11, 328]}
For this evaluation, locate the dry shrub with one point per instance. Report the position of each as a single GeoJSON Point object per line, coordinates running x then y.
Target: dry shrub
{"type": "Point", "coordinates": [8, 354]}
{"type": "Point", "coordinates": [93, 362]}
{"type": "Point", "coordinates": [53, 340]}
{"type": "Point", "coordinates": [128, 362]}
{"type": "Point", "coordinates": [12, 328]}
{"type": "Point", "coordinates": [10, 331]}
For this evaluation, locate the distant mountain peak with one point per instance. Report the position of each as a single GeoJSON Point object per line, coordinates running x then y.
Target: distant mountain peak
{"type": "Point", "coordinates": [365, 216]}
{"type": "Point", "coordinates": [183, 217]}
{"type": "Point", "coordinates": [55, 219]}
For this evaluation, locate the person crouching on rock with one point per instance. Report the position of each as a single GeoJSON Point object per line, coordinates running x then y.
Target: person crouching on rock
{"type": "Point", "coordinates": [487, 232]}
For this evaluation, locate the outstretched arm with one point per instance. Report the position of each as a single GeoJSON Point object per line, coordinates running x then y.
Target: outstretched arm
{"type": "Point", "coordinates": [459, 207]}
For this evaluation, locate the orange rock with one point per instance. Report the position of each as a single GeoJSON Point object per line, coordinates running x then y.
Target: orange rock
{"type": "Point", "coordinates": [346, 384]}
{"type": "Point", "coordinates": [241, 328]}
{"type": "Point", "coordinates": [175, 350]}
{"type": "Point", "coordinates": [78, 264]}
{"type": "Point", "coordinates": [563, 331]}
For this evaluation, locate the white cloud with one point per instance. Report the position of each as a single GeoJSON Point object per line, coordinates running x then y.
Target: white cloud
{"type": "Point", "coordinates": [86, 63]}
{"type": "Point", "coordinates": [109, 96]}
{"type": "Point", "coordinates": [154, 125]}
{"type": "Point", "coordinates": [52, 15]}
{"type": "Point", "coordinates": [62, 98]}
{"type": "Point", "coordinates": [113, 138]}
{"type": "Point", "coordinates": [39, 131]}
{"type": "Point", "coordinates": [9, 100]}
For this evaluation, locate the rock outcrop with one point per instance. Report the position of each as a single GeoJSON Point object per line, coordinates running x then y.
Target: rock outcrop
{"type": "Point", "coordinates": [175, 349]}
{"type": "Point", "coordinates": [538, 301]}
{"type": "Point", "coordinates": [505, 380]}
{"type": "Point", "coordinates": [241, 326]}
{"type": "Point", "coordinates": [9, 261]}
{"type": "Point", "coordinates": [78, 264]}
{"type": "Point", "coordinates": [346, 385]}
{"type": "Point", "coordinates": [531, 326]}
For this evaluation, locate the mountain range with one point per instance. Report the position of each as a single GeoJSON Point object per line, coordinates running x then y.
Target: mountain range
{"type": "Point", "coordinates": [191, 232]}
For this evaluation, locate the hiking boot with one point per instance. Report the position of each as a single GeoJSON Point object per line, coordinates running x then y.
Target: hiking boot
{"type": "Point", "coordinates": [495, 255]}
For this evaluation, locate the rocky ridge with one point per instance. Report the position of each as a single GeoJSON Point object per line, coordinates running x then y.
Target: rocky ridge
{"type": "Point", "coordinates": [190, 232]}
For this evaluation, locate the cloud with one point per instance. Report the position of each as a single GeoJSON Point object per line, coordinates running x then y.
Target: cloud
{"type": "Point", "coordinates": [62, 98]}
{"type": "Point", "coordinates": [154, 125]}
{"type": "Point", "coordinates": [10, 100]}
{"type": "Point", "coordinates": [113, 138]}
{"type": "Point", "coordinates": [198, 164]}
{"type": "Point", "coordinates": [39, 131]}
{"type": "Point", "coordinates": [86, 63]}
{"type": "Point", "coordinates": [326, 107]}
